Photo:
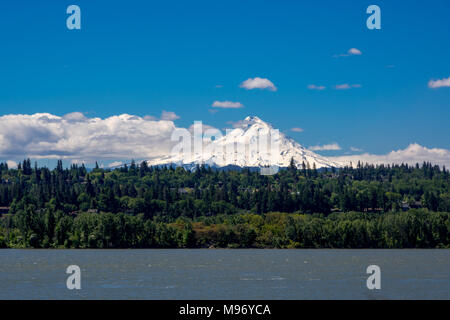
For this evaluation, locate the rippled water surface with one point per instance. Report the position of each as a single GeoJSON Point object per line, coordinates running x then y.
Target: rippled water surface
{"type": "Point", "coordinates": [225, 274]}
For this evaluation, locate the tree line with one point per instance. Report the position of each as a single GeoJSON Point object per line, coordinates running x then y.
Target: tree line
{"type": "Point", "coordinates": [142, 206]}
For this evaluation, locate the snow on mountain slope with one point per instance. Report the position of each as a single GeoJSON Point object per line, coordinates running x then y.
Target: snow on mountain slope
{"type": "Point", "coordinates": [254, 143]}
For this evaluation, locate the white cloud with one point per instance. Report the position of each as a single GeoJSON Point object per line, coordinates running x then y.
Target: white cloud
{"type": "Point", "coordinates": [165, 115]}
{"type": "Point", "coordinates": [238, 124]}
{"type": "Point", "coordinates": [346, 86]}
{"type": "Point", "coordinates": [354, 51]}
{"type": "Point", "coordinates": [227, 105]}
{"type": "Point", "coordinates": [435, 84]}
{"type": "Point", "coordinates": [350, 52]}
{"type": "Point", "coordinates": [115, 164]}
{"type": "Point", "coordinates": [78, 162]}
{"type": "Point", "coordinates": [258, 83]}
{"type": "Point", "coordinates": [201, 126]}
{"type": "Point", "coordinates": [169, 116]}
{"type": "Point", "coordinates": [11, 164]}
{"type": "Point", "coordinates": [325, 147]}
{"type": "Point", "coordinates": [354, 149]}
{"type": "Point", "coordinates": [314, 87]}
{"type": "Point", "coordinates": [151, 118]}
{"type": "Point", "coordinates": [46, 136]}
{"type": "Point", "coordinates": [75, 117]}
{"type": "Point", "coordinates": [297, 129]}
{"type": "Point", "coordinates": [413, 154]}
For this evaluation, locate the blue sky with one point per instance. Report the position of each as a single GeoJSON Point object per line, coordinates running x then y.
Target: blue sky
{"type": "Point", "coordinates": [143, 57]}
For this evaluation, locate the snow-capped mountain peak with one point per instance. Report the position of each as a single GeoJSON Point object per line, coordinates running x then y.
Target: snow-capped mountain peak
{"type": "Point", "coordinates": [252, 143]}
{"type": "Point", "coordinates": [254, 119]}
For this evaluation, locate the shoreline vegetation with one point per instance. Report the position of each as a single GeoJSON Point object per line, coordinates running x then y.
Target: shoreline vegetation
{"type": "Point", "coordinates": [138, 206]}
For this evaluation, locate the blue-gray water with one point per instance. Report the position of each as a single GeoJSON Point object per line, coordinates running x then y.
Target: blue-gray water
{"type": "Point", "coordinates": [225, 274]}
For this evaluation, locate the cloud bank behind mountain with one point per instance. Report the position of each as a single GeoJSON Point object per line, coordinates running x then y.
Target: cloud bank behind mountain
{"type": "Point", "coordinates": [413, 154]}
{"type": "Point", "coordinates": [77, 138]}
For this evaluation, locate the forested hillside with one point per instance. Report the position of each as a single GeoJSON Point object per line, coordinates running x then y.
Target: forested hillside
{"type": "Point", "coordinates": [142, 206]}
